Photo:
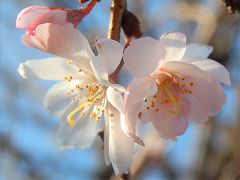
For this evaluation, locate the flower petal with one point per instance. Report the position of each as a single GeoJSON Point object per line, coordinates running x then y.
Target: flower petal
{"type": "Point", "coordinates": [140, 88]}
{"type": "Point", "coordinates": [197, 112]}
{"type": "Point", "coordinates": [143, 56]}
{"type": "Point", "coordinates": [110, 52]}
{"type": "Point", "coordinates": [99, 69]}
{"type": "Point", "coordinates": [175, 45]}
{"type": "Point", "coordinates": [47, 69]}
{"type": "Point", "coordinates": [186, 69]}
{"type": "Point", "coordinates": [129, 123]}
{"type": "Point", "coordinates": [168, 125]}
{"type": "Point", "coordinates": [61, 40]}
{"type": "Point", "coordinates": [52, 16]}
{"type": "Point", "coordinates": [27, 15]}
{"type": "Point", "coordinates": [106, 139]}
{"type": "Point", "coordinates": [209, 93]}
{"type": "Point", "coordinates": [121, 149]}
{"type": "Point", "coordinates": [215, 69]}
{"type": "Point", "coordinates": [115, 98]}
{"type": "Point", "coordinates": [195, 50]}
{"type": "Point", "coordinates": [57, 98]}
{"type": "Point", "coordinates": [81, 135]}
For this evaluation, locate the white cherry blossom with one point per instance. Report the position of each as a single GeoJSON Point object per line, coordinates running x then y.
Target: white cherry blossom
{"type": "Point", "coordinates": [83, 93]}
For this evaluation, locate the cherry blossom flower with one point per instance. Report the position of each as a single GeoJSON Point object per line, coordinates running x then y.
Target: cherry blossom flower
{"type": "Point", "coordinates": [33, 16]}
{"type": "Point", "coordinates": [84, 93]}
{"type": "Point", "coordinates": [173, 83]}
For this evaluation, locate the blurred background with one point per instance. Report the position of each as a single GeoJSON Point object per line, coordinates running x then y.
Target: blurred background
{"type": "Point", "coordinates": [28, 147]}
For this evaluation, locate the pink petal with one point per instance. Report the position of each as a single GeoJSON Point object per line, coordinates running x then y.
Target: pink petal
{"type": "Point", "coordinates": [27, 15]}
{"type": "Point", "coordinates": [215, 69]}
{"type": "Point", "coordinates": [52, 16]}
{"type": "Point", "coordinates": [128, 124]}
{"type": "Point", "coordinates": [140, 88]}
{"type": "Point", "coordinates": [186, 69]}
{"type": "Point", "coordinates": [143, 56]}
{"type": "Point", "coordinates": [197, 113]}
{"type": "Point", "coordinates": [175, 45]}
{"type": "Point", "coordinates": [209, 93]}
{"type": "Point", "coordinates": [61, 40]}
{"type": "Point", "coordinates": [168, 125]}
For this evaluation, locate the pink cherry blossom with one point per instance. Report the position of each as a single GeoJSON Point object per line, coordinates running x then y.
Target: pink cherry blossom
{"type": "Point", "coordinates": [173, 83]}
{"type": "Point", "coordinates": [33, 16]}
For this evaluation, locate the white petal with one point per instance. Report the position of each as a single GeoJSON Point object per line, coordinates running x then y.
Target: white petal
{"type": "Point", "coordinates": [57, 98]}
{"type": "Point", "coordinates": [143, 56]}
{"type": "Point", "coordinates": [81, 135]}
{"type": "Point", "coordinates": [47, 69]}
{"type": "Point", "coordinates": [110, 52]}
{"type": "Point", "coordinates": [215, 69]}
{"type": "Point", "coordinates": [99, 69]}
{"type": "Point", "coordinates": [115, 98]}
{"type": "Point", "coordinates": [65, 41]}
{"type": "Point", "coordinates": [186, 69]}
{"type": "Point", "coordinates": [175, 45]}
{"type": "Point", "coordinates": [106, 139]}
{"type": "Point", "coordinates": [197, 50]}
{"type": "Point", "coordinates": [121, 149]}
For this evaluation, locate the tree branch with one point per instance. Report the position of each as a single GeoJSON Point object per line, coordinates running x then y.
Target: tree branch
{"type": "Point", "coordinates": [116, 12]}
{"type": "Point", "coordinates": [114, 29]}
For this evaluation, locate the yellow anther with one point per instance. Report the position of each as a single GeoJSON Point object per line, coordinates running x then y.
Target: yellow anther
{"type": "Point", "coordinates": [71, 122]}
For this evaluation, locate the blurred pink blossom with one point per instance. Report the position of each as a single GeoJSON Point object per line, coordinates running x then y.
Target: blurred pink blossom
{"type": "Point", "coordinates": [173, 83]}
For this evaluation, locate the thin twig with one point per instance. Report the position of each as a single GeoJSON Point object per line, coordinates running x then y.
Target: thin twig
{"type": "Point", "coordinates": [116, 12]}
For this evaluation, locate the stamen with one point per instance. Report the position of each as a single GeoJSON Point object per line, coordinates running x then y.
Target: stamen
{"type": "Point", "coordinates": [70, 119]}
{"type": "Point", "coordinates": [174, 101]}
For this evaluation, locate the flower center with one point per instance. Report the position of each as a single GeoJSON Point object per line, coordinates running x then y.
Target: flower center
{"type": "Point", "coordinates": [170, 88]}
{"type": "Point", "coordinates": [92, 97]}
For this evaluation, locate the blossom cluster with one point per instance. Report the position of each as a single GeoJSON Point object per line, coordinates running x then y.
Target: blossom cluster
{"type": "Point", "coordinates": [173, 83]}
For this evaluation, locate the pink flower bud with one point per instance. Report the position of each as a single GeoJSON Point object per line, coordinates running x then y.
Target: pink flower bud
{"type": "Point", "coordinates": [30, 17]}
